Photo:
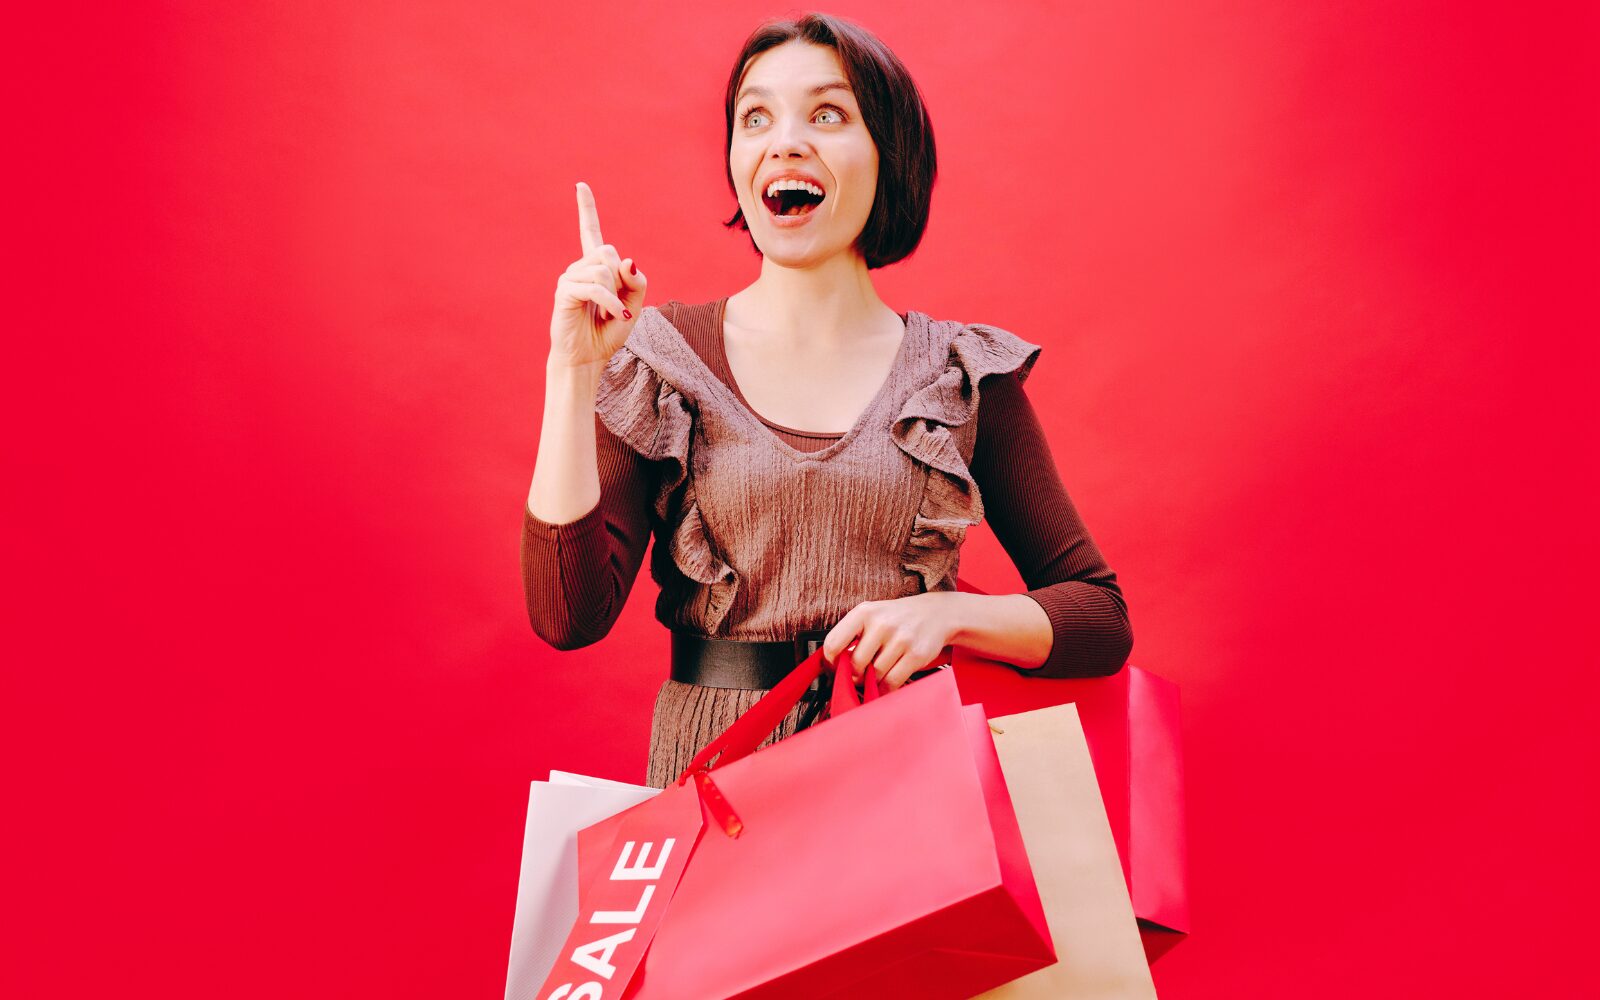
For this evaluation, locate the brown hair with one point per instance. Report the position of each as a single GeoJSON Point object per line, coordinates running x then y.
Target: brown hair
{"type": "Point", "coordinates": [891, 108]}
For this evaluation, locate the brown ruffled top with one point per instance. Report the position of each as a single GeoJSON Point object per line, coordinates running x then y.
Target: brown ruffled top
{"type": "Point", "coordinates": [763, 531]}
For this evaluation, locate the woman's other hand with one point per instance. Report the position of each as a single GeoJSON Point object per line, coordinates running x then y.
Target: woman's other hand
{"type": "Point", "coordinates": [897, 637]}
{"type": "Point", "coordinates": [598, 297]}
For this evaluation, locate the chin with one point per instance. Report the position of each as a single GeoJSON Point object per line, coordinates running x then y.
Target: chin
{"type": "Point", "coordinates": [799, 256]}
{"type": "Point", "coordinates": [799, 249]}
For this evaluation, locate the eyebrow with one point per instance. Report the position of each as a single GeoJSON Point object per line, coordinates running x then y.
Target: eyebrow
{"type": "Point", "coordinates": [821, 88]}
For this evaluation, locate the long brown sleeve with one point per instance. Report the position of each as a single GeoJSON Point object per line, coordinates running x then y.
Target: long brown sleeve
{"type": "Point", "coordinates": [577, 576]}
{"type": "Point", "coordinates": [1037, 524]}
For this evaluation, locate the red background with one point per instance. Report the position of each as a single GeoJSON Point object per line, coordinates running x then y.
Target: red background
{"type": "Point", "coordinates": [1315, 290]}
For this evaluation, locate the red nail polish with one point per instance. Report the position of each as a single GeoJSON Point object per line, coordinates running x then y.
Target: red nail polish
{"type": "Point", "coordinates": [632, 267]}
{"type": "Point", "coordinates": [626, 314]}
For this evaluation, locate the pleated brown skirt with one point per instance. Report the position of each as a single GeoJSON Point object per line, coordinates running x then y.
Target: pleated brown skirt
{"type": "Point", "coordinates": [688, 717]}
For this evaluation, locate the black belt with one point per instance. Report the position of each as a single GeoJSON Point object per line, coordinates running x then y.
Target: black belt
{"type": "Point", "coordinates": [738, 663]}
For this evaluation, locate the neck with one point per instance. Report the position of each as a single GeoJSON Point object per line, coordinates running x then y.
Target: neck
{"type": "Point", "coordinates": [826, 305]}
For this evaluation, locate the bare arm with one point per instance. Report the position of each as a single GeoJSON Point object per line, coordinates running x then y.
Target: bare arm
{"type": "Point", "coordinates": [597, 300]}
{"type": "Point", "coordinates": [566, 483]}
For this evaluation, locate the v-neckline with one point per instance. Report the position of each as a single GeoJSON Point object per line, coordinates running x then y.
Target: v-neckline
{"type": "Point", "coordinates": [735, 398]}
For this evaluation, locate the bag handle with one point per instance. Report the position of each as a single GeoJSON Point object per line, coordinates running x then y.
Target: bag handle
{"type": "Point", "coordinates": [671, 812]}
{"type": "Point", "coordinates": [763, 718]}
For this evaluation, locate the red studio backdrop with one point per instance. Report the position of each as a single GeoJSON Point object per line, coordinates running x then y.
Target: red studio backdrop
{"type": "Point", "coordinates": [1315, 289]}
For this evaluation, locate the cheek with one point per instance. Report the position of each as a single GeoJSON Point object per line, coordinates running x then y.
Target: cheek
{"type": "Point", "coordinates": [743, 171]}
{"type": "Point", "coordinates": [864, 178]}
{"type": "Point", "coordinates": [863, 191]}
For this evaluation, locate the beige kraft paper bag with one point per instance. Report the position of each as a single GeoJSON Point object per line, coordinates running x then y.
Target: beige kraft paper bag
{"type": "Point", "coordinates": [1047, 769]}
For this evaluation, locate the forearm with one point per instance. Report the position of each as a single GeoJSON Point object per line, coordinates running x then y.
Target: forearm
{"type": "Point", "coordinates": [566, 481]}
{"type": "Point", "coordinates": [1089, 621]}
{"type": "Point", "coordinates": [1008, 627]}
{"type": "Point", "coordinates": [1068, 580]}
{"type": "Point", "coordinates": [578, 574]}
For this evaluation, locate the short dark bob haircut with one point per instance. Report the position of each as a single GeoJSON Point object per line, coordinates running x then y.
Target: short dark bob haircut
{"type": "Point", "coordinates": [891, 108]}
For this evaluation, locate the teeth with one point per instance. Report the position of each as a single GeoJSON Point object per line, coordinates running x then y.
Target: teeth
{"type": "Point", "coordinates": [793, 185]}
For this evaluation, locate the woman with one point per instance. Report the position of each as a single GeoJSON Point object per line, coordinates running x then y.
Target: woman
{"type": "Point", "coordinates": [807, 459]}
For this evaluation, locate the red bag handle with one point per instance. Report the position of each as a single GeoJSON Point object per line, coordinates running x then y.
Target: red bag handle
{"type": "Point", "coordinates": [762, 719]}
{"type": "Point", "coordinates": [738, 740]}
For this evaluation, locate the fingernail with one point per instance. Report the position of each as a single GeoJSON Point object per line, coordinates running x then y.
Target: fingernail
{"type": "Point", "coordinates": [631, 268]}
{"type": "Point", "coordinates": [626, 314]}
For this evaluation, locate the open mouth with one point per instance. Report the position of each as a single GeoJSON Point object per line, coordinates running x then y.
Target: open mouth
{"type": "Point", "coordinates": [792, 202]}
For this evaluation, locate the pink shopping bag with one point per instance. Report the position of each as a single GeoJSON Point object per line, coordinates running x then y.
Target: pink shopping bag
{"type": "Point", "coordinates": [1131, 722]}
{"type": "Point", "coordinates": [876, 853]}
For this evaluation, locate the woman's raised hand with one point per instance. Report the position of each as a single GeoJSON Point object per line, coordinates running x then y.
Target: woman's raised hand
{"type": "Point", "coordinates": [598, 297]}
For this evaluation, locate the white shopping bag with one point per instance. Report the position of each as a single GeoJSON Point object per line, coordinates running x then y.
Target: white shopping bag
{"type": "Point", "coordinates": [547, 891]}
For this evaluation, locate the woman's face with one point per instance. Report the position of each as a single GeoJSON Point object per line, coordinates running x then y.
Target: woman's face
{"type": "Point", "coordinates": [784, 124]}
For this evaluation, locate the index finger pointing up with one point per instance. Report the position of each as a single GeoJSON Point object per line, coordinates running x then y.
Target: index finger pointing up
{"type": "Point", "coordinates": [588, 219]}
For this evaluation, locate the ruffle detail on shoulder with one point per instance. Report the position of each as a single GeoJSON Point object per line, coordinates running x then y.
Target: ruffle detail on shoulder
{"type": "Point", "coordinates": [650, 415]}
{"type": "Point", "coordinates": [927, 429]}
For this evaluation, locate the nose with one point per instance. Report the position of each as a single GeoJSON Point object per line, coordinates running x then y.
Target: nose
{"type": "Point", "coordinates": [788, 138]}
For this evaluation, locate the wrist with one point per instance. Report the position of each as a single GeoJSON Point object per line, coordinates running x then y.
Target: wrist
{"type": "Point", "coordinates": [558, 374]}
{"type": "Point", "coordinates": [965, 614]}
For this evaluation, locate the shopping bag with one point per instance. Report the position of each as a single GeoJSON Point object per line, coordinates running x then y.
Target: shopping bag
{"type": "Point", "coordinates": [1131, 720]}
{"type": "Point", "coordinates": [873, 854]}
{"type": "Point", "coordinates": [547, 889]}
{"type": "Point", "coordinates": [1052, 782]}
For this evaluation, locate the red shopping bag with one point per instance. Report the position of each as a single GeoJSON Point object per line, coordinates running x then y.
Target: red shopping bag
{"type": "Point", "coordinates": [1131, 722]}
{"type": "Point", "coordinates": [875, 853]}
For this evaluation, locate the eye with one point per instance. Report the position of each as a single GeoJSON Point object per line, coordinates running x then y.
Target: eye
{"type": "Point", "coordinates": [744, 119]}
